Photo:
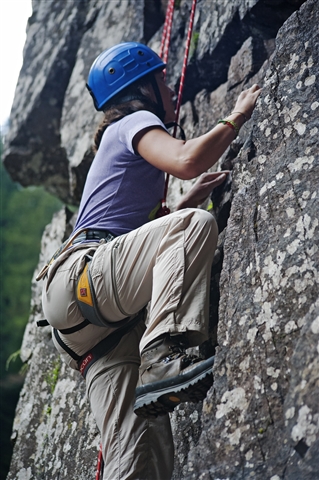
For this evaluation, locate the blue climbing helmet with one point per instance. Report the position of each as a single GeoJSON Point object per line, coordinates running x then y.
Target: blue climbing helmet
{"type": "Point", "coordinates": [118, 67]}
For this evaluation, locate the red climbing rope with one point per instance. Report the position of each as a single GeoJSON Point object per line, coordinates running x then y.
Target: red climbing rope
{"type": "Point", "coordinates": [182, 80]}
{"type": "Point", "coordinates": [100, 464]}
{"type": "Point", "coordinates": [167, 30]}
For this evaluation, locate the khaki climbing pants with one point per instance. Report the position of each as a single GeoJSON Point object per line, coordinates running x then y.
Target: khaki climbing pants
{"type": "Point", "coordinates": [165, 263]}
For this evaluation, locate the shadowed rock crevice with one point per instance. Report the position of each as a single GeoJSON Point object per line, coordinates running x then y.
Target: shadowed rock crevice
{"type": "Point", "coordinates": [154, 16]}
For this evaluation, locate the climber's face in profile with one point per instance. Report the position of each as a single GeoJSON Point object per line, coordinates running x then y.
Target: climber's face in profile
{"type": "Point", "coordinates": [167, 95]}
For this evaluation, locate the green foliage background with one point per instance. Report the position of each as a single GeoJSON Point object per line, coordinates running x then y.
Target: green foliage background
{"type": "Point", "coordinates": [24, 212]}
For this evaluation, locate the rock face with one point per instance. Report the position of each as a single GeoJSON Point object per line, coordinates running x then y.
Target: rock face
{"type": "Point", "coordinates": [261, 418]}
{"type": "Point", "coordinates": [262, 411]}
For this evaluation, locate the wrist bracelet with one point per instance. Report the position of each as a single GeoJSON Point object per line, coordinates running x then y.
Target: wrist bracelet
{"type": "Point", "coordinates": [241, 113]}
{"type": "Point", "coordinates": [231, 124]}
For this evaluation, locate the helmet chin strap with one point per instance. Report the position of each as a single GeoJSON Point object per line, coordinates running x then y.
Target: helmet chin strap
{"type": "Point", "coordinates": [159, 102]}
{"type": "Point", "coordinates": [175, 124]}
{"type": "Point", "coordinates": [160, 108]}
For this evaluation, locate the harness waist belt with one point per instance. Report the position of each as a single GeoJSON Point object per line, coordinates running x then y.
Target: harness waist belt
{"type": "Point", "coordinates": [81, 236]}
{"type": "Point", "coordinates": [94, 235]}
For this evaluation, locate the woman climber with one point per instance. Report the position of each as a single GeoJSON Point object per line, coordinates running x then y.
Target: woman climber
{"type": "Point", "coordinates": [124, 254]}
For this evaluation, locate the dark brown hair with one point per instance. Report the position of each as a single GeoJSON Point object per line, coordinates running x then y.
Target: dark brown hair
{"type": "Point", "coordinates": [132, 99]}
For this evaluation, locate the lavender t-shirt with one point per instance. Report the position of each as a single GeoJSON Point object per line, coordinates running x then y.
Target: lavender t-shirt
{"type": "Point", "coordinates": [122, 189]}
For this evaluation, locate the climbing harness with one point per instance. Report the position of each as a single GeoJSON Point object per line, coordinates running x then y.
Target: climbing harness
{"type": "Point", "coordinates": [104, 347]}
{"type": "Point", "coordinates": [86, 298]}
{"type": "Point", "coordinates": [87, 303]}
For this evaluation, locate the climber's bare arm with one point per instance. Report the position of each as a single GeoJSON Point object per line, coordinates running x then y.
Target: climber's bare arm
{"type": "Point", "coordinates": [187, 160]}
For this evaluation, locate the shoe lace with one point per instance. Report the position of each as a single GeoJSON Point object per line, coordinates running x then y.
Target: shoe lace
{"type": "Point", "coordinates": [178, 351]}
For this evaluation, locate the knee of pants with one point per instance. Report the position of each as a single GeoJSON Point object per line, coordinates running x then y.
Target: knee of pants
{"type": "Point", "coordinates": [205, 223]}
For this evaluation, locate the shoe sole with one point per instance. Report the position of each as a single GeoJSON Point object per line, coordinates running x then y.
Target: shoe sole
{"type": "Point", "coordinates": [159, 398]}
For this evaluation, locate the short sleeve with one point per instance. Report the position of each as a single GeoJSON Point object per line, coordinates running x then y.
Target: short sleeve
{"type": "Point", "coordinates": [130, 125]}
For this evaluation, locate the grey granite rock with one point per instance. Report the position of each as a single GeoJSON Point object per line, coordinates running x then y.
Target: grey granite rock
{"type": "Point", "coordinates": [260, 419]}
{"type": "Point", "coordinates": [33, 152]}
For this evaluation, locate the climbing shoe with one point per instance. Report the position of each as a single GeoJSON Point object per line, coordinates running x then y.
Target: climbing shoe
{"type": "Point", "coordinates": [169, 376]}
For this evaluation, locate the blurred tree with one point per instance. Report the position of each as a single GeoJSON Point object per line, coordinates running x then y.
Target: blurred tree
{"type": "Point", "coordinates": [23, 216]}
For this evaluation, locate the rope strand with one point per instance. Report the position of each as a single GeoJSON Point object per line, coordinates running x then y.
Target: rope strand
{"type": "Point", "coordinates": [167, 31]}
{"type": "Point", "coordinates": [185, 60]}
{"type": "Point", "coordinates": [100, 465]}
{"type": "Point", "coordinates": [181, 84]}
